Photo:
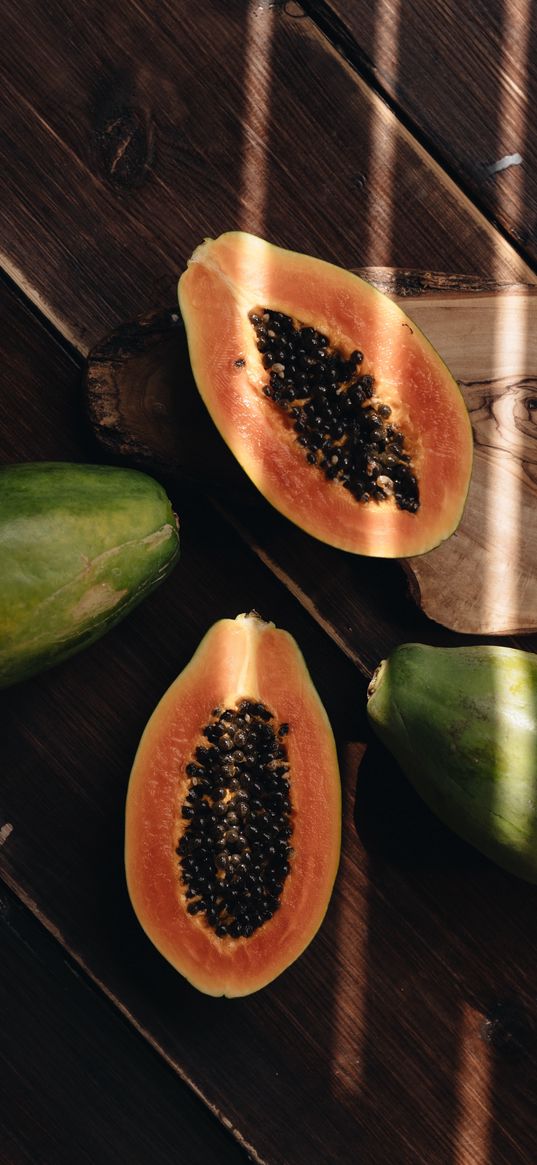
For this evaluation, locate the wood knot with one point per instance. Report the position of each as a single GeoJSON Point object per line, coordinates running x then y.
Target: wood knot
{"type": "Point", "coordinates": [125, 140]}
{"type": "Point", "coordinates": [509, 1029]}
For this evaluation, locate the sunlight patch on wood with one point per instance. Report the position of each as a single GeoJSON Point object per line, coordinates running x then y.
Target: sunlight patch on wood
{"type": "Point", "coordinates": [471, 1143]}
{"type": "Point", "coordinates": [5, 832]}
{"type": "Point", "coordinates": [256, 116]}
{"type": "Point", "coordinates": [383, 141]}
{"type": "Point", "coordinates": [504, 510]}
{"type": "Point", "coordinates": [349, 976]}
{"type": "Point", "coordinates": [503, 499]}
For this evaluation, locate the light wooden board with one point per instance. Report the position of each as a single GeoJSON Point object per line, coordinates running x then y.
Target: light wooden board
{"type": "Point", "coordinates": [481, 581]}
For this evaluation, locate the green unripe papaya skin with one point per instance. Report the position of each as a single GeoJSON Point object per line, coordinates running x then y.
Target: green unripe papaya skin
{"type": "Point", "coordinates": [80, 546]}
{"type": "Point", "coordinates": [462, 723]}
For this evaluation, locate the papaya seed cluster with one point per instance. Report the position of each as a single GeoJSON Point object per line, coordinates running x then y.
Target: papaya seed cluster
{"type": "Point", "coordinates": [235, 849]}
{"type": "Point", "coordinates": [344, 430]}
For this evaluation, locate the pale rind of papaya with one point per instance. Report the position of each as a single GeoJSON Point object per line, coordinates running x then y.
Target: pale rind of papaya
{"type": "Point", "coordinates": [229, 276]}
{"type": "Point", "coordinates": [80, 546]}
{"type": "Point", "coordinates": [462, 723]}
{"type": "Point", "coordinates": [238, 658]}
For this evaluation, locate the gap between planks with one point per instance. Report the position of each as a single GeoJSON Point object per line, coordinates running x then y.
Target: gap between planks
{"type": "Point", "coordinates": [342, 42]}
{"type": "Point", "coordinates": [292, 586]}
{"type": "Point", "coordinates": [501, 246]}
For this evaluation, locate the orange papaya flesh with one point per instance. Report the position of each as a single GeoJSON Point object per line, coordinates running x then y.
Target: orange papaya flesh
{"type": "Point", "coordinates": [235, 275]}
{"type": "Point", "coordinates": [245, 659]}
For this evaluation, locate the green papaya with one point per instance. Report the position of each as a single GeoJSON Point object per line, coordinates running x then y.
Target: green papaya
{"type": "Point", "coordinates": [80, 546]}
{"type": "Point", "coordinates": [462, 723]}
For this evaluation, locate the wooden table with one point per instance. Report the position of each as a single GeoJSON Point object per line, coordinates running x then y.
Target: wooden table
{"type": "Point", "coordinates": [384, 134]}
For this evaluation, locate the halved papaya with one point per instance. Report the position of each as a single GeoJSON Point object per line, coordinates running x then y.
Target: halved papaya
{"type": "Point", "coordinates": [335, 404]}
{"type": "Point", "coordinates": [233, 811]}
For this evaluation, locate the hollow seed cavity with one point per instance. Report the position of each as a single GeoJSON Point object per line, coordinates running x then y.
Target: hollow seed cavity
{"type": "Point", "coordinates": [234, 851]}
{"type": "Point", "coordinates": [334, 407]}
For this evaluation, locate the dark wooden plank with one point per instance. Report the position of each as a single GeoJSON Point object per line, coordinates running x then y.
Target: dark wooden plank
{"type": "Point", "coordinates": [78, 1083]}
{"type": "Point", "coordinates": [466, 81]}
{"type": "Point", "coordinates": [113, 173]}
{"type": "Point", "coordinates": [40, 414]}
{"type": "Point", "coordinates": [369, 1032]}
{"type": "Point", "coordinates": [407, 1030]}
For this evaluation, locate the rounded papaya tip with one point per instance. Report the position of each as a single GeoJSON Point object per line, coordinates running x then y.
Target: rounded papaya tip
{"type": "Point", "coordinates": [375, 678]}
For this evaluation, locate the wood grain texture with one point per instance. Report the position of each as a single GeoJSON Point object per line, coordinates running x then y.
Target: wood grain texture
{"type": "Point", "coordinates": [409, 1025]}
{"type": "Point", "coordinates": [467, 83]}
{"type": "Point", "coordinates": [40, 414]}
{"type": "Point", "coordinates": [407, 1031]}
{"type": "Point", "coordinates": [214, 126]}
{"type": "Point", "coordinates": [75, 1077]}
{"type": "Point", "coordinates": [482, 580]}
